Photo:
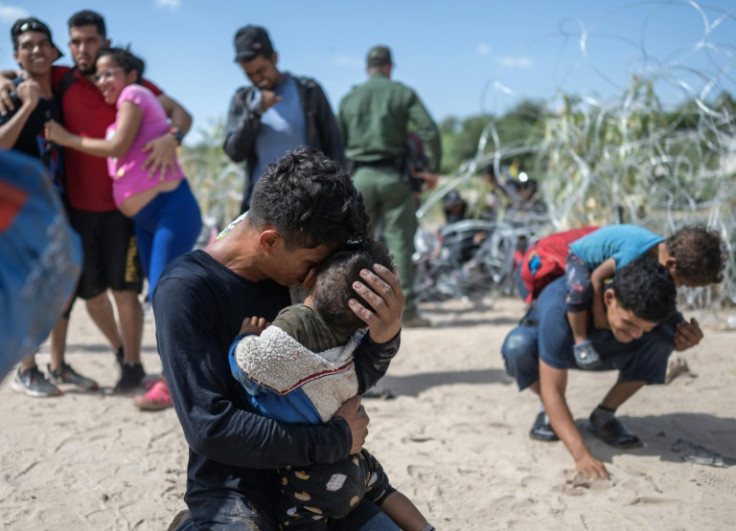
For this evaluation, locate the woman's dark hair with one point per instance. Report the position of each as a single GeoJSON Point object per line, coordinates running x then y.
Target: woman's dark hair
{"type": "Point", "coordinates": [699, 255]}
{"type": "Point", "coordinates": [126, 60]}
{"type": "Point", "coordinates": [333, 286]}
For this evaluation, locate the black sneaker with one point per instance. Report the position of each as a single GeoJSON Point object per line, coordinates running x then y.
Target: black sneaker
{"type": "Point", "coordinates": [131, 377]}
{"type": "Point", "coordinates": [33, 383]}
{"type": "Point", "coordinates": [613, 432]}
{"type": "Point", "coordinates": [542, 429]}
{"type": "Point", "coordinates": [66, 375]}
{"type": "Point", "coordinates": [120, 357]}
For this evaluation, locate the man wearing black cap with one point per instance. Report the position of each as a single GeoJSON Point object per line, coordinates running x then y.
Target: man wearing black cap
{"type": "Point", "coordinates": [22, 129]}
{"type": "Point", "coordinates": [277, 114]}
{"type": "Point", "coordinates": [374, 119]}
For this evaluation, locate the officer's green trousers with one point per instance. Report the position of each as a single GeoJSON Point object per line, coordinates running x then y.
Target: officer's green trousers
{"type": "Point", "coordinates": [391, 205]}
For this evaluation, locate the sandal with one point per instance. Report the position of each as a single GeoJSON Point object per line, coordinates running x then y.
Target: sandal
{"type": "Point", "coordinates": [157, 398]}
{"type": "Point", "coordinates": [615, 434]}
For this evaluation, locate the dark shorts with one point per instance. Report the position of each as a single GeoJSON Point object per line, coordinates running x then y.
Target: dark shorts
{"type": "Point", "coordinates": [110, 253]}
{"type": "Point", "coordinates": [67, 212]}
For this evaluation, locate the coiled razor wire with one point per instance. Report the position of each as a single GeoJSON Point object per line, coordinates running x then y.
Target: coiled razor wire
{"type": "Point", "coordinates": [626, 159]}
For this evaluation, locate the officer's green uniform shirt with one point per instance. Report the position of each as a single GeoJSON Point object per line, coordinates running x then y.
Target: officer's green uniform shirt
{"type": "Point", "coordinates": [373, 121]}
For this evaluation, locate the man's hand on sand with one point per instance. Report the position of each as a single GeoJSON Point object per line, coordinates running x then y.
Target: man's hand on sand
{"type": "Point", "coordinates": [687, 334]}
{"type": "Point", "coordinates": [382, 290]}
{"type": "Point", "coordinates": [356, 417]}
{"type": "Point", "coordinates": [590, 468]}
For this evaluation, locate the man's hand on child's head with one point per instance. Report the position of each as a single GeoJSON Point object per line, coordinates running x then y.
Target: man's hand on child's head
{"type": "Point", "coordinates": [253, 325]}
{"type": "Point", "coordinates": [382, 290]}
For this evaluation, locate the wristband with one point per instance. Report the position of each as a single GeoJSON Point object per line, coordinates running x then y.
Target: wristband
{"type": "Point", "coordinates": [178, 135]}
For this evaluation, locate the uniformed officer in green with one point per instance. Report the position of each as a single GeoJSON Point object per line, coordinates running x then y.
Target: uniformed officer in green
{"type": "Point", "coordinates": [374, 119]}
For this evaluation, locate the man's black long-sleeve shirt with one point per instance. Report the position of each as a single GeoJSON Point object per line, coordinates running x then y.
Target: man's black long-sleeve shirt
{"type": "Point", "coordinates": [199, 306]}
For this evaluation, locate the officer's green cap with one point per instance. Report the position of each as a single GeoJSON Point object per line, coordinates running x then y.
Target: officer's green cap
{"type": "Point", "coordinates": [379, 56]}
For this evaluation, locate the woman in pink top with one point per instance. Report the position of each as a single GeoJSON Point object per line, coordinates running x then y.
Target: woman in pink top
{"type": "Point", "coordinates": [166, 214]}
{"type": "Point", "coordinates": [162, 232]}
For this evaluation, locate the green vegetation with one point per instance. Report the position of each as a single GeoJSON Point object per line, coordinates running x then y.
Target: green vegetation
{"type": "Point", "coordinates": [217, 182]}
{"type": "Point", "coordinates": [521, 125]}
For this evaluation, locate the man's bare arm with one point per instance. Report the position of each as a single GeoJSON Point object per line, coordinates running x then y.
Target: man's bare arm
{"type": "Point", "coordinates": [179, 116]}
{"type": "Point", "coordinates": [553, 384]}
{"type": "Point", "coordinates": [162, 150]}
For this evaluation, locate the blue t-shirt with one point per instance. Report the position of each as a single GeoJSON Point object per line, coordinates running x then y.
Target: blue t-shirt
{"type": "Point", "coordinates": [623, 243]}
{"type": "Point", "coordinates": [283, 127]}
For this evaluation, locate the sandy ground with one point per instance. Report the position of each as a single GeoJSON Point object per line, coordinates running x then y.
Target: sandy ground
{"type": "Point", "coordinates": [455, 439]}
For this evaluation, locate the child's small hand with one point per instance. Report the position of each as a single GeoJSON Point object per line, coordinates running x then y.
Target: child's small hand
{"type": "Point", "coordinates": [253, 325]}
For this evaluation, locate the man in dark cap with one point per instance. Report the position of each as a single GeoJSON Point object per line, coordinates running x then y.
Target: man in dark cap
{"type": "Point", "coordinates": [374, 119]}
{"type": "Point", "coordinates": [277, 114]}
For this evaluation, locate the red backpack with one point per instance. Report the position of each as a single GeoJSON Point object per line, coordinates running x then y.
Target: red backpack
{"type": "Point", "coordinates": [545, 260]}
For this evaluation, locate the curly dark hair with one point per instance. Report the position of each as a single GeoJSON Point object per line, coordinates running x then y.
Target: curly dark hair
{"type": "Point", "coordinates": [125, 59]}
{"type": "Point", "coordinates": [333, 286]}
{"type": "Point", "coordinates": [699, 253]}
{"type": "Point", "coordinates": [646, 288]}
{"type": "Point", "coordinates": [310, 200]}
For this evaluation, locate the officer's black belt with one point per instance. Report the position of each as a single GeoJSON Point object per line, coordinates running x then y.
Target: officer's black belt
{"type": "Point", "coordinates": [383, 163]}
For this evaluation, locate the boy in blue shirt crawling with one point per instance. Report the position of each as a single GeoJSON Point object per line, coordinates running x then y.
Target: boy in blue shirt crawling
{"type": "Point", "coordinates": [692, 255]}
{"type": "Point", "coordinates": [301, 369]}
